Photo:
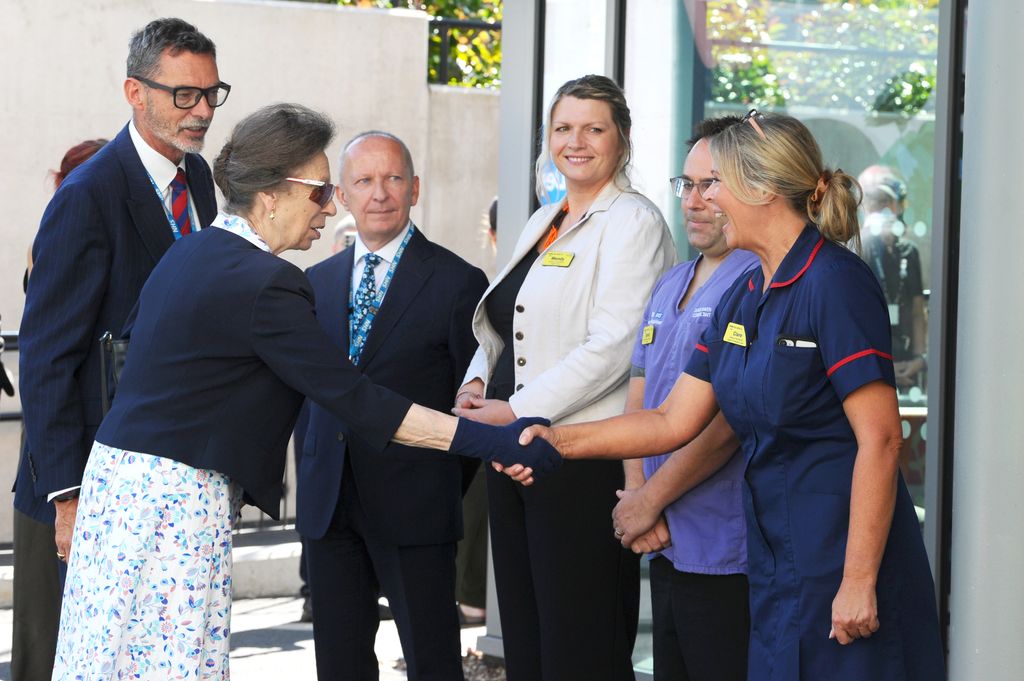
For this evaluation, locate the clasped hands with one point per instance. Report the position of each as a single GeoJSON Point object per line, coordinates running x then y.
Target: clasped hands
{"type": "Point", "coordinates": [639, 525]}
{"type": "Point", "coordinates": [488, 429]}
{"type": "Point", "coordinates": [500, 446]}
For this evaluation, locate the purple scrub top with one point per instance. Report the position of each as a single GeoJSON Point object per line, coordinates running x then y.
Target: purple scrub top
{"type": "Point", "coordinates": [707, 524]}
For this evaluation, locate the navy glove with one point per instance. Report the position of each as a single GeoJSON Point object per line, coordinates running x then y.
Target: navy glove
{"type": "Point", "coordinates": [501, 444]}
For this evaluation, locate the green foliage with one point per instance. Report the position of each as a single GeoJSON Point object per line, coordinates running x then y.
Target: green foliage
{"type": "Point", "coordinates": [474, 55]}
{"type": "Point", "coordinates": [750, 82]}
{"type": "Point", "coordinates": [905, 94]}
{"type": "Point", "coordinates": [875, 56]}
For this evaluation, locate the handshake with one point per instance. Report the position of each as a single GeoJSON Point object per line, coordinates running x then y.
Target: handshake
{"type": "Point", "coordinates": [500, 444]}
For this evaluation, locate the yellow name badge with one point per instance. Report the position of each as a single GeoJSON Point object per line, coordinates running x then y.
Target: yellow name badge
{"type": "Point", "coordinates": [648, 336]}
{"type": "Point", "coordinates": [735, 334]}
{"type": "Point", "coordinates": [557, 259]}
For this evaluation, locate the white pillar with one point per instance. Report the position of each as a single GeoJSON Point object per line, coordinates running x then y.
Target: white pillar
{"type": "Point", "coordinates": [987, 556]}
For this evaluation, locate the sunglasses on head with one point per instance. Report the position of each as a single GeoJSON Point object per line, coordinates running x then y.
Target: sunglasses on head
{"type": "Point", "coordinates": [322, 192]}
{"type": "Point", "coordinates": [755, 117]}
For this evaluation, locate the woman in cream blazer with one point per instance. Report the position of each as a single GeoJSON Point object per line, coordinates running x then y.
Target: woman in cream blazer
{"type": "Point", "coordinates": [569, 304]}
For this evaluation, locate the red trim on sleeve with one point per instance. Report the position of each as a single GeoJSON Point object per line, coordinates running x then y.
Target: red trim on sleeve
{"type": "Point", "coordinates": [857, 355]}
{"type": "Point", "coordinates": [702, 347]}
{"type": "Point", "coordinates": [810, 259]}
{"type": "Point", "coordinates": [750, 283]}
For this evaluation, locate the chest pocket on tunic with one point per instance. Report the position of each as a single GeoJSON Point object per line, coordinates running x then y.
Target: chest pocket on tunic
{"type": "Point", "coordinates": [793, 385]}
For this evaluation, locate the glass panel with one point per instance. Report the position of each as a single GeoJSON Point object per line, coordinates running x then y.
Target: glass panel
{"type": "Point", "coordinates": [861, 75]}
{"type": "Point", "coordinates": [574, 46]}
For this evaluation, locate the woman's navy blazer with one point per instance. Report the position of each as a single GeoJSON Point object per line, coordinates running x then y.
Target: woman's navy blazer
{"type": "Point", "coordinates": [223, 347]}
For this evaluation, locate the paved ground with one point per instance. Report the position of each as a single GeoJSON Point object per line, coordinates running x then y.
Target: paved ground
{"type": "Point", "coordinates": [268, 642]}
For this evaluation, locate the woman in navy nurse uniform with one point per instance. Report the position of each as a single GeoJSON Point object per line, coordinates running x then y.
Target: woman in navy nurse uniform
{"type": "Point", "coordinates": [798, 358]}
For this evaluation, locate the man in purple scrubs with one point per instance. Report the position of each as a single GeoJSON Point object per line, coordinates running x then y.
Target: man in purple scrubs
{"type": "Point", "coordinates": [697, 534]}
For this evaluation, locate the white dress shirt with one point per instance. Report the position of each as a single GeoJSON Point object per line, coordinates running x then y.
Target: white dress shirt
{"type": "Point", "coordinates": [162, 171]}
{"type": "Point", "coordinates": [386, 252]}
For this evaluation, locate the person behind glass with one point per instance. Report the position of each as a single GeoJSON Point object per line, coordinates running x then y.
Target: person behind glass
{"type": "Point", "coordinates": [896, 263]}
{"type": "Point", "coordinates": [555, 329]}
{"type": "Point", "coordinates": [224, 345]}
{"type": "Point", "coordinates": [797, 357]}
{"type": "Point", "coordinates": [37, 572]}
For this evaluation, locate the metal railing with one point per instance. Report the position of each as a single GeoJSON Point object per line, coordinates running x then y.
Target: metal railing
{"type": "Point", "coordinates": [8, 343]}
{"type": "Point", "coordinates": [443, 26]}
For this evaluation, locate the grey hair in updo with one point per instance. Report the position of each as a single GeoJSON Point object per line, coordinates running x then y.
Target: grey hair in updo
{"type": "Point", "coordinates": [265, 147]}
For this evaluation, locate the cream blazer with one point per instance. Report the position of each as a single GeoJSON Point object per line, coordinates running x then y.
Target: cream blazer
{"type": "Point", "coordinates": [575, 326]}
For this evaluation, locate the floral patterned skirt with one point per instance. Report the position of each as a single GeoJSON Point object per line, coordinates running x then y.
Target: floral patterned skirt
{"type": "Point", "coordinates": [148, 591]}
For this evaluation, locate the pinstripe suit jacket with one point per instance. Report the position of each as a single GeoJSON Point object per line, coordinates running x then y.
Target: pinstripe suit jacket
{"type": "Point", "coordinates": [100, 237]}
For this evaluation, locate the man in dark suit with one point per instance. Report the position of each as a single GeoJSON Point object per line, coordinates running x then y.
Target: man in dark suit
{"type": "Point", "coordinates": [401, 307]}
{"type": "Point", "coordinates": [102, 233]}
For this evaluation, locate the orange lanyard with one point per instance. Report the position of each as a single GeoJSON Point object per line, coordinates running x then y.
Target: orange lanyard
{"type": "Point", "coordinates": [555, 224]}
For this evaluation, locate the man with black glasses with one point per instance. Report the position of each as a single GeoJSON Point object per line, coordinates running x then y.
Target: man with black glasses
{"type": "Point", "coordinates": [101, 235]}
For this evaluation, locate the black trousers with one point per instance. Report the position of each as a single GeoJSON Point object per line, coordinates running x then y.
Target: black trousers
{"type": "Point", "coordinates": [701, 625]}
{"type": "Point", "coordinates": [38, 586]}
{"type": "Point", "coordinates": [347, 569]}
{"type": "Point", "coordinates": [568, 593]}
{"type": "Point", "coordinates": [471, 559]}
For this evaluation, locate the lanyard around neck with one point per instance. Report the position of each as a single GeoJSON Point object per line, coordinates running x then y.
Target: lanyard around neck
{"type": "Point", "coordinates": [358, 336]}
{"type": "Point", "coordinates": [167, 211]}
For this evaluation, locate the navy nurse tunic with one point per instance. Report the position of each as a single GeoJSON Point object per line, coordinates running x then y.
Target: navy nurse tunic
{"type": "Point", "coordinates": [781, 363]}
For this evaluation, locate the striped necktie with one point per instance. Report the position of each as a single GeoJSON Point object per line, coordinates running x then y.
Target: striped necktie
{"type": "Point", "coordinates": [179, 203]}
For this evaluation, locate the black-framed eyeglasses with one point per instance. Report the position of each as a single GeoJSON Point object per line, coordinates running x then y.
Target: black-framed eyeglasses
{"type": "Point", "coordinates": [186, 97]}
{"type": "Point", "coordinates": [322, 192]}
{"type": "Point", "coordinates": [684, 186]}
{"type": "Point", "coordinates": [755, 118]}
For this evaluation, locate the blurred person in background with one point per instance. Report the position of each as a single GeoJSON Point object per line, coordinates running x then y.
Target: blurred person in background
{"type": "Point", "coordinates": [896, 263]}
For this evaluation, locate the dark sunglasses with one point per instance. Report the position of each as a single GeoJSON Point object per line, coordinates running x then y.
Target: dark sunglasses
{"type": "Point", "coordinates": [322, 192]}
{"type": "Point", "coordinates": [187, 96]}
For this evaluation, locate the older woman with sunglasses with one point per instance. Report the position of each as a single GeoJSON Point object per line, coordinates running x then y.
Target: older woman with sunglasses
{"type": "Point", "coordinates": [224, 346]}
{"type": "Point", "coordinates": [797, 358]}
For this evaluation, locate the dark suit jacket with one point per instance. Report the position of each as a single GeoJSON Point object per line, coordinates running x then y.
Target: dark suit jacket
{"type": "Point", "coordinates": [100, 237]}
{"type": "Point", "coordinates": [420, 345]}
{"type": "Point", "coordinates": [223, 347]}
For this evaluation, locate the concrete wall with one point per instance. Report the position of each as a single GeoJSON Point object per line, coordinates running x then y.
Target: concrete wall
{"type": "Point", "coordinates": [65, 67]}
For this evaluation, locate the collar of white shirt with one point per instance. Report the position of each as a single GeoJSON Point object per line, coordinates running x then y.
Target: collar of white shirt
{"type": "Point", "coordinates": [156, 164]}
{"type": "Point", "coordinates": [386, 253]}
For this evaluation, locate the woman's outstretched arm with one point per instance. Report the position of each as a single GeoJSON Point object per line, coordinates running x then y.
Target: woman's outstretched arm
{"type": "Point", "coordinates": [687, 410]}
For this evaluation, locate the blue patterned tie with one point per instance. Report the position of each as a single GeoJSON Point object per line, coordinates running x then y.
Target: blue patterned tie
{"type": "Point", "coordinates": [366, 293]}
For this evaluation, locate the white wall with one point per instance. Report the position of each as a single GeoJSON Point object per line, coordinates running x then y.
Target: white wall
{"type": "Point", "coordinates": [64, 66]}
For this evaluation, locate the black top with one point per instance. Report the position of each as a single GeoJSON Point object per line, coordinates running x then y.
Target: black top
{"type": "Point", "coordinates": [501, 312]}
{"type": "Point", "coordinates": [898, 270]}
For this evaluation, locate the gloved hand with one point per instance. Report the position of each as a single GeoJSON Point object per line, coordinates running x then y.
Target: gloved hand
{"type": "Point", "coordinates": [501, 444]}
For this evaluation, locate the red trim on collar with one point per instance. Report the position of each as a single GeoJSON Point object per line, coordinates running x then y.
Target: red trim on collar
{"type": "Point", "coordinates": [702, 347]}
{"type": "Point", "coordinates": [750, 283]}
{"type": "Point", "coordinates": [810, 259]}
{"type": "Point", "coordinates": [857, 355]}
